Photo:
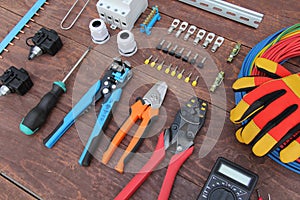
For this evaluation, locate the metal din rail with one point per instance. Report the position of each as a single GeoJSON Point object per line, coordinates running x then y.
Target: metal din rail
{"type": "Point", "coordinates": [228, 10]}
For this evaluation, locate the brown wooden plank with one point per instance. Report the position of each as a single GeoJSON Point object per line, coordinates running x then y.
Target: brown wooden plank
{"type": "Point", "coordinates": [55, 174]}
{"type": "Point", "coordinates": [11, 191]}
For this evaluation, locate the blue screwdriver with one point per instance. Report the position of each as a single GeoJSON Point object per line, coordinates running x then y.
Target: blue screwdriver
{"type": "Point", "coordinates": [39, 114]}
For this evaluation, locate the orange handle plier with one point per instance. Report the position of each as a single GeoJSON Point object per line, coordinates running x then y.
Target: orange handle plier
{"type": "Point", "coordinates": [144, 109]}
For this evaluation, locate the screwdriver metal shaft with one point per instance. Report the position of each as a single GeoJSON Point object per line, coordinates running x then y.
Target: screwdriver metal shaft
{"type": "Point", "coordinates": [76, 65]}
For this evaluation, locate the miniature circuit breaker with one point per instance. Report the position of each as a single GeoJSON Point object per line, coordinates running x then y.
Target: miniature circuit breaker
{"type": "Point", "coordinates": [121, 13]}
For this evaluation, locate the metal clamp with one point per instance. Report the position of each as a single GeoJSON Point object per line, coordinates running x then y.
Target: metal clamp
{"type": "Point", "coordinates": [182, 28]}
{"type": "Point", "coordinates": [174, 25]}
{"type": "Point", "coordinates": [190, 32]}
{"type": "Point", "coordinates": [209, 38]}
{"type": "Point", "coordinates": [201, 33]}
{"type": "Point", "coordinates": [219, 41]}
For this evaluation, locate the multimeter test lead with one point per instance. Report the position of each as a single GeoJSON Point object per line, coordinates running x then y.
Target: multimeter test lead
{"type": "Point", "coordinates": [259, 196]}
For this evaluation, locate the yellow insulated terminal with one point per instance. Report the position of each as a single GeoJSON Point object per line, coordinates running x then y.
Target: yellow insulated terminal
{"type": "Point", "coordinates": [195, 82]}
{"type": "Point", "coordinates": [187, 79]}
{"type": "Point", "coordinates": [179, 76]}
{"type": "Point", "coordinates": [147, 61]}
{"type": "Point", "coordinates": [160, 66]}
{"type": "Point", "coordinates": [168, 69]}
{"type": "Point", "coordinates": [173, 73]}
{"type": "Point", "coordinates": [152, 64]}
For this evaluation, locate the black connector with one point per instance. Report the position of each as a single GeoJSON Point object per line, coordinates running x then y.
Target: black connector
{"type": "Point", "coordinates": [15, 81]}
{"type": "Point", "coordinates": [44, 41]}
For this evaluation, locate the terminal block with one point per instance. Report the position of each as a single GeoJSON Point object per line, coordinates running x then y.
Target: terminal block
{"type": "Point", "coordinates": [121, 13]}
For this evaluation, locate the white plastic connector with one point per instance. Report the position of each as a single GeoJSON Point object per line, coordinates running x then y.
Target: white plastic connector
{"type": "Point", "coordinates": [121, 13]}
{"type": "Point", "coordinates": [126, 43]}
{"type": "Point", "coordinates": [99, 32]}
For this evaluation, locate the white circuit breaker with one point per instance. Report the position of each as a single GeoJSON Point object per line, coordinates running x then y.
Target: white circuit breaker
{"type": "Point", "coordinates": [121, 13]}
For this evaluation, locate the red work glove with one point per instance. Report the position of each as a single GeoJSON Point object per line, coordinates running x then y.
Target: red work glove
{"type": "Point", "coordinates": [272, 110]}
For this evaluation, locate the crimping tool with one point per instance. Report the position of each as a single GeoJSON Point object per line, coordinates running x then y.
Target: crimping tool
{"type": "Point", "coordinates": [179, 140]}
{"type": "Point", "coordinates": [146, 109]}
{"type": "Point", "coordinates": [109, 88]}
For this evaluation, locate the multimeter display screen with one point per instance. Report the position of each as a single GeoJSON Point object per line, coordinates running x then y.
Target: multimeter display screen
{"type": "Point", "coordinates": [234, 174]}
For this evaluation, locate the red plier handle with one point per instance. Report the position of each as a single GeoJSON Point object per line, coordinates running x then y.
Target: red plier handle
{"type": "Point", "coordinates": [157, 156]}
{"type": "Point", "coordinates": [176, 162]}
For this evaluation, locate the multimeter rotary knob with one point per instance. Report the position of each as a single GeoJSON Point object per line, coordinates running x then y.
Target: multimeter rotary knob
{"type": "Point", "coordinates": [222, 193]}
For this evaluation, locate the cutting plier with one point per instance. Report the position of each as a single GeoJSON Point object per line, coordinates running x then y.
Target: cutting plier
{"type": "Point", "coordinates": [179, 140]}
{"type": "Point", "coordinates": [110, 89]}
{"type": "Point", "coordinates": [145, 109]}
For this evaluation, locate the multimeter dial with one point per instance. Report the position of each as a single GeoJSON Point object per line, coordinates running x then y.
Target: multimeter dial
{"type": "Point", "coordinates": [228, 181]}
{"type": "Point", "coordinates": [222, 193]}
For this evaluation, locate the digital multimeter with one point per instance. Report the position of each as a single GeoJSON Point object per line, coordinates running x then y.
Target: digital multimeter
{"type": "Point", "coordinates": [228, 181]}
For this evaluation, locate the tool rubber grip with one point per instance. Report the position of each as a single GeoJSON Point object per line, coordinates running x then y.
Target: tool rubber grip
{"type": "Point", "coordinates": [138, 137]}
{"type": "Point", "coordinates": [145, 172]}
{"type": "Point", "coordinates": [88, 155]}
{"type": "Point", "coordinates": [136, 110]}
{"type": "Point", "coordinates": [38, 115]}
{"type": "Point", "coordinates": [175, 163]}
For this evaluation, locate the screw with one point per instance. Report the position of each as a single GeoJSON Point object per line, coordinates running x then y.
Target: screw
{"type": "Point", "coordinates": [193, 60]}
{"type": "Point", "coordinates": [172, 52]}
{"type": "Point", "coordinates": [154, 62]}
{"type": "Point", "coordinates": [160, 66]}
{"type": "Point", "coordinates": [173, 73]}
{"type": "Point", "coordinates": [159, 46]}
{"type": "Point", "coordinates": [166, 49]}
{"type": "Point", "coordinates": [190, 135]}
{"type": "Point", "coordinates": [168, 69]}
{"type": "Point", "coordinates": [201, 64]}
{"type": "Point", "coordinates": [195, 82]}
{"type": "Point", "coordinates": [179, 76]}
{"type": "Point", "coordinates": [186, 57]}
{"type": "Point", "coordinates": [187, 79]}
{"type": "Point", "coordinates": [179, 54]}
{"type": "Point", "coordinates": [179, 148]}
{"type": "Point", "coordinates": [146, 62]}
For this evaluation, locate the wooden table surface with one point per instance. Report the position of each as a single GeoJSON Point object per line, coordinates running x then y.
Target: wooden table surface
{"type": "Point", "coordinates": [55, 173]}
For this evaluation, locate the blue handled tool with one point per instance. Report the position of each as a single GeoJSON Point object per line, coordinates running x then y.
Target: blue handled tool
{"type": "Point", "coordinates": [109, 88]}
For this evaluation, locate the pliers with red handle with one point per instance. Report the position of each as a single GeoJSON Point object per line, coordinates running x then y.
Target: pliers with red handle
{"type": "Point", "coordinates": [179, 140]}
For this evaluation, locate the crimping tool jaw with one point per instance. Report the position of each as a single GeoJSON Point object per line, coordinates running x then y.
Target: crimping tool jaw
{"type": "Point", "coordinates": [121, 72]}
{"type": "Point", "coordinates": [155, 96]}
{"type": "Point", "coordinates": [188, 121]}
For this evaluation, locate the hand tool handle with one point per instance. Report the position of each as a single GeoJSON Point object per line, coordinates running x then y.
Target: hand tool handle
{"type": "Point", "coordinates": [38, 115]}
{"type": "Point", "coordinates": [176, 162]}
{"type": "Point", "coordinates": [138, 137]}
{"type": "Point", "coordinates": [144, 173]}
{"type": "Point", "coordinates": [135, 112]}
{"type": "Point", "coordinates": [70, 118]}
{"type": "Point", "coordinates": [101, 123]}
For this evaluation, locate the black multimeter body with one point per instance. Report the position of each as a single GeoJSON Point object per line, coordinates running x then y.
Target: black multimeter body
{"type": "Point", "coordinates": [228, 181]}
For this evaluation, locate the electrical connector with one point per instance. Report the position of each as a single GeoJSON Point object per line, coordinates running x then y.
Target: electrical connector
{"type": "Point", "coordinates": [15, 81]}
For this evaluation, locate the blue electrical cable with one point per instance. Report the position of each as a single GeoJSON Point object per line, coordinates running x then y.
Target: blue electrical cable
{"type": "Point", "coordinates": [246, 71]}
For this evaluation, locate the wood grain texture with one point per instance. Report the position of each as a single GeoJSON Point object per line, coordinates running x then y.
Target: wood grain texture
{"type": "Point", "coordinates": [10, 191]}
{"type": "Point", "coordinates": [55, 173]}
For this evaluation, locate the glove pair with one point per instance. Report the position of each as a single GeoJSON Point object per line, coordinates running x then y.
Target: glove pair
{"type": "Point", "coordinates": [270, 112]}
